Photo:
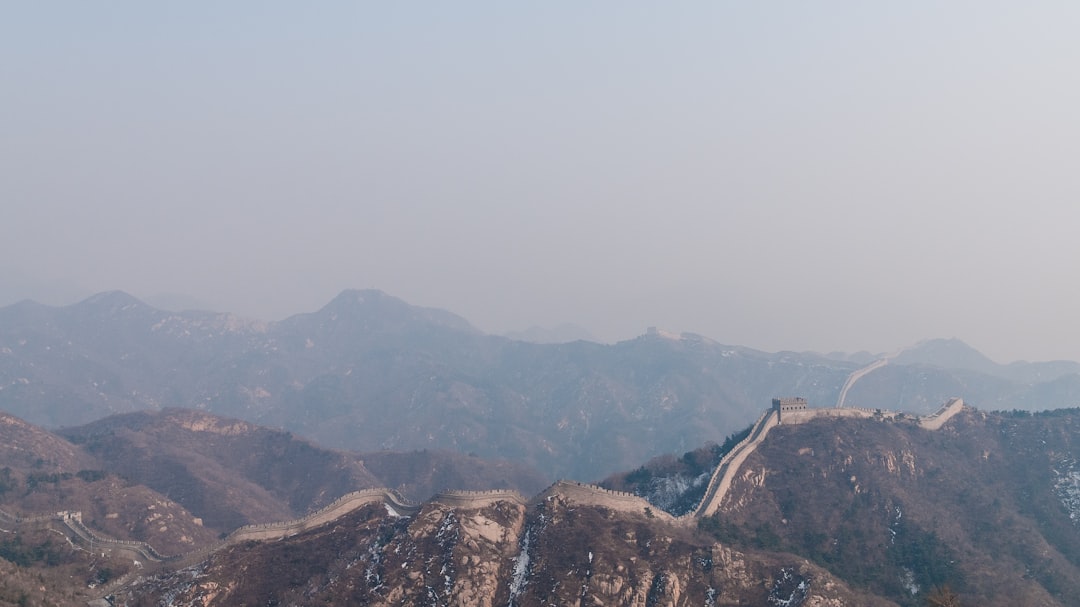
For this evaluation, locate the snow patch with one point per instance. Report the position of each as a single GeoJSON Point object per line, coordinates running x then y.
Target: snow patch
{"type": "Point", "coordinates": [1067, 487]}
{"type": "Point", "coordinates": [786, 592]}
{"type": "Point", "coordinates": [521, 569]}
{"type": "Point", "coordinates": [907, 580]}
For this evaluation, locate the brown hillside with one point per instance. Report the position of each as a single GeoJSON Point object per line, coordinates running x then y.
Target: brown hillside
{"type": "Point", "coordinates": [418, 475]}
{"type": "Point", "coordinates": [553, 553]}
{"type": "Point", "coordinates": [227, 472]}
{"type": "Point", "coordinates": [981, 505]}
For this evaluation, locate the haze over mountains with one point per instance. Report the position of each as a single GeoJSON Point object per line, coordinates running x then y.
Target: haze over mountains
{"type": "Point", "coordinates": [830, 512]}
{"type": "Point", "coordinates": [368, 371]}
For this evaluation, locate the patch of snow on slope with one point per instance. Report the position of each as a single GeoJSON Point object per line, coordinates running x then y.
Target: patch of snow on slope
{"type": "Point", "coordinates": [1067, 487]}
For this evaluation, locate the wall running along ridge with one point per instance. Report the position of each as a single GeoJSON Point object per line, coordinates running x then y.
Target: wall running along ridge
{"type": "Point", "coordinates": [591, 495]}
{"type": "Point", "coordinates": [729, 465]}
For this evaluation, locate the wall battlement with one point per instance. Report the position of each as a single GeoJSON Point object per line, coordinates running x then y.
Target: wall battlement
{"type": "Point", "coordinates": [477, 499]}
{"type": "Point", "coordinates": [790, 404]}
{"type": "Point", "coordinates": [593, 495]}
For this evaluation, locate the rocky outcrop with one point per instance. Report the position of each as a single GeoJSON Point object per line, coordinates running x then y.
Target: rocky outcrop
{"type": "Point", "coordinates": [557, 551]}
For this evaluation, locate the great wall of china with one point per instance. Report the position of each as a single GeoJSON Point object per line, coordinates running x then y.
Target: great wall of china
{"type": "Point", "coordinates": [783, 412]}
{"type": "Point", "coordinates": [729, 464]}
{"type": "Point", "coordinates": [791, 412]}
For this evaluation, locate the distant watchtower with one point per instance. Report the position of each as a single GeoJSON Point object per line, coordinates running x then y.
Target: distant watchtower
{"type": "Point", "coordinates": [780, 405]}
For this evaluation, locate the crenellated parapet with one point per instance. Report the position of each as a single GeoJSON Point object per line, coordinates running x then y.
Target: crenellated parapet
{"type": "Point", "coordinates": [73, 521]}
{"type": "Point", "coordinates": [942, 415]}
{"type": "Point", "coordinates": [783, 406]}
{"type": "Point", "coordinates": [336, 509]}
{"type": "Point", "coordinates": [477, 499]}
{"type": "Point", "coordinates": [593, 495]}
{"type": "Point", "coordinates": [801, 417]}
{"type": "Point", "coordinates": [78, 532]}
{"type": "Point", "coordinates": [13, 519]}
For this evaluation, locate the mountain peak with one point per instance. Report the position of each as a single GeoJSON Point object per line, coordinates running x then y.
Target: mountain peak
{"type": "Point", "coordinates": [350, 297]}
{"type": "Point", "coordinates": [948, 354]}
{"type": "Point", "coordinates": [112, 300]}
{"type": "Point", "coordinates": [364, 304]}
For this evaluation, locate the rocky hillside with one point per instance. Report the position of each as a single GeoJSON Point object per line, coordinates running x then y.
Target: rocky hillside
{"type": "Point", "coordinates": [987, 505]}
{"type": "Point", "coordinates": [179, 479]}
{"type": "Point", "coordinates": [226, 471]}
{"type": "Point", "coordinates": [41, 472]}
{"type": "Point", "coordinates": [556, 552]}
{"type": "Point", "coordinates": [370, 372]}
{"type": "Point", "coordinates": [830, 512]}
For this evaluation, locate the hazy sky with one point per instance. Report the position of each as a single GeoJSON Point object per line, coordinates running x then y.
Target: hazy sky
{"type": "Point", "coordinates": [828, 175]}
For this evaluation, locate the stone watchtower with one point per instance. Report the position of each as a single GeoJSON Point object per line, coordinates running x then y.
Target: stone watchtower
{"type": "Point", "coordinates": [780, 405]}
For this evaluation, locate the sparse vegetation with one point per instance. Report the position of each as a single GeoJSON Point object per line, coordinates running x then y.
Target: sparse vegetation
{"type": "Point", "coordinates": [676, 485]}
{"type": "Point", "coordinates": [38, 478]}
{"type": "Point", "coordinates": [942, 596]}
{"type": "Point", "coordinates": [45, 553]}
{"type": "Point", "coordinates": [91, 476]}
{"type": "Point", "coordinates": [8, 481]}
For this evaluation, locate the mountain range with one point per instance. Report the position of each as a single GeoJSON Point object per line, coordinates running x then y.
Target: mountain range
{"type": "Point", "coordinates": [370, 372]}
{"type": "Point", "coordinates": [834, 511]}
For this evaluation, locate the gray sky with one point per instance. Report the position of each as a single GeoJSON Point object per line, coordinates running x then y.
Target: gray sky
{"type": "Point", "coordinates": [833, 175]}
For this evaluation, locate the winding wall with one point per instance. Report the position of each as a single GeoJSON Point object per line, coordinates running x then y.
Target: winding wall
{"type": "Point", "coordinates": [78, 532]}
{"type": "Point", "coordinates": [719, 484]}
{"type": "Point", "coordinates": [477, 499]}
{"type": "Point", "coordinates": [592, 495]}
{"type": "Point", "coordinates": [944, 414]}
{"type": "Point", "coordinates": [729, 464]}
{"type": "Point", "coordinates": [856, 376]}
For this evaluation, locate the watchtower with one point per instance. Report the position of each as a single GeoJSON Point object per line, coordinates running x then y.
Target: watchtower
{"type": "Point", "coordinates": [780, 405]}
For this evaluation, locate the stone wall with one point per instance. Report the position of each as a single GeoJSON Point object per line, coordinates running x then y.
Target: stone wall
{"type": "Point", "coordinates": [794, 411]}
{"type": "Point", "coordinates": [729, 464]}
{"type": "Point", "coordinates": [944, 414]}
{"type": "Point", "coordinates": [477, 499]}
{"type": "Point", "coordinates": [338, 508]}
{"type": "Point", "coordinates": [591, 495]}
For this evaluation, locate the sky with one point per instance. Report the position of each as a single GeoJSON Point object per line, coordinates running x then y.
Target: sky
{"type": "Point", "coordinates": [785, 176]}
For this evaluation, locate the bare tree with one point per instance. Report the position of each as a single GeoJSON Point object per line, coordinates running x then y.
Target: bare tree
{"type": "Point", "coordinates": [942, 596]}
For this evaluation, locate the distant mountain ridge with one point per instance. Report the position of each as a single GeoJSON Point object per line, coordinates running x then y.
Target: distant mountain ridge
{"type": "Point", "coordinates": [560, 334]}
{"type": "Point", "coordinates": [955, 354]}
{"type": "Point", "coordinates": [368, 371]}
